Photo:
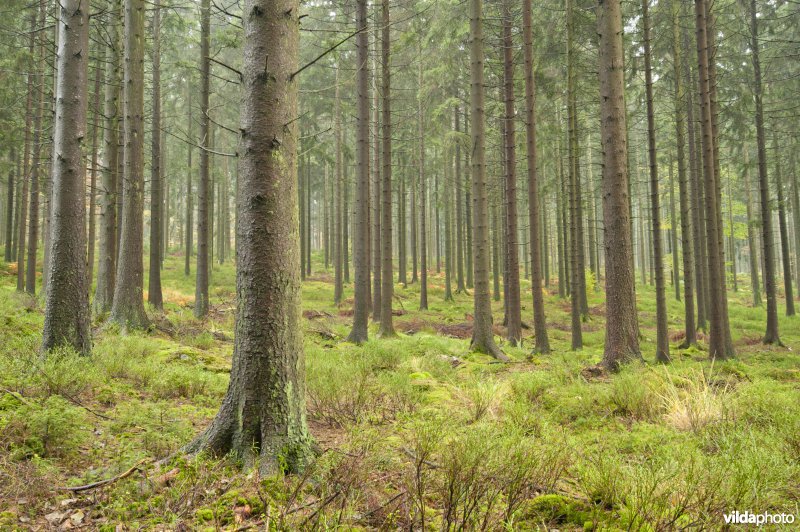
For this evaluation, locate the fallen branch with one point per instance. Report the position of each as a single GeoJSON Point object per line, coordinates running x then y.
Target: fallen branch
{"type": "Point", "coordinates": [106, 482]}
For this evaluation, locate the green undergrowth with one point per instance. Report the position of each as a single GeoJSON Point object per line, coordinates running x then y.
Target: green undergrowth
{"type": "Point", "coordinates": [410, 432]}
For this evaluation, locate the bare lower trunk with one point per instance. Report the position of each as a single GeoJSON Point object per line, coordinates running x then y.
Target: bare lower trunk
{"type": "Point", "coordinates": [622, 342]}
{"type": "Point", "coordinates": [66, 321]}
{"type": "Point", "coordinates": [539, 322]}
{"type": "Point", "coordinates": [387, 279]}
{"type": "Point", "coordinates": [154, 282]}
{"type": "Point", "coordinates": [128, 307]}
{"type": "Point", "coordinates": [359, 332]}
{"type": "Point", "coordinates": [262, 417]}
{"type": "Point", "coordinates": [782, 228]}
{"type": "Point", "coordinates": [662, 334]}
{"type": "Point", "coordinates": [204, 187]}
{"type": "Point", "coordinates": [482, 335]}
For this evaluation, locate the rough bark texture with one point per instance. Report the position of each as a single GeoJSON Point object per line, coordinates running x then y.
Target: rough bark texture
{"type": "Point", "coordinates": [683, 188]}
{"type": "Point", "coordinates": [482, 337]}
{"type": "Point", "coordinates": [154, 296]}
{"type": "Point", "coordinates": [66, 319]}
{"type": "Point", "coordinates": [90, 241]}
{"type": "Point", "coordinates": [359, 333]}
{"type": "Point", "coordinates": [513, 311]}
{"type": "Point", "coordinates": [9, 216]}
{"type": "Point", "coordinates": [387, 279]}
{"type": "Point", "coordinates": [203, 188]}
{"type": "Point", "coordinates": [128, 307]}
{"type": "Point", "coordinates": [262, 417]}
{"type": "Point", "coordinates": [542, 344]}
{"type": "Point", "coordinates": [622, 342]}
{"type": "Point", "coordinates": [377, 264]}
{"type": "Point", "coordinates": [662, 334]}
{"type": "Point", "coordinates": [720, 346]}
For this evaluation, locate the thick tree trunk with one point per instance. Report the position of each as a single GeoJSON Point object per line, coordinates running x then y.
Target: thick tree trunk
{"type": "Point", "coordinates": [128, 307]}
{"type": "Point", "coordinates": [622, 341]}
{"type": "Point", "coordinates": [662, 334]}
{"type": "Point", "coordinates": [66, 320]}
{"type": "Point", "coordinates": [683, 188]}
{"type": "Point", "coordinates": [359, 332]}
{"type": "Point", "coordinates": [387, 279]}
{"type": "Point", "coordinates": [513, 311]}
{"type": "Point", "coordinates": [154, 283]}
{"type": "Point", "coordinates": [262, 417]}
{"type": "Point", "coordinates": [720, 346]}
{"type": "Point", "coordinates": [204, 188]}
{"type": "Point", "coordinates": [542, 344]}
{"type": "Point", "coordinates": [482, 335]}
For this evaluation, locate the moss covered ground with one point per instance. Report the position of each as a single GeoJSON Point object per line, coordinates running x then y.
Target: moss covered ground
{"type": "Point", "coordinates": [414, 431]}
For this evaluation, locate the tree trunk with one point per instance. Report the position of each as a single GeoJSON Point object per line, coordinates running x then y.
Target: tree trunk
{"type": "Point", "coordinates": [203, 189]}
{"type": "Point", "coordinates": [22, 197]}
{"type": "Point", "coordinates": [662, 334]}
{"type": "Point", "coordinates": [93, 178]}
{"type": "Point", "coordinates": [683, 189]}
{"type": "Point", "coordinates": [448, 225]}
{"type": "Point", "coordinates": [9, 229]}
{"type": "Point", "coordinates": [542, 344]}
{"type": "Point", "coordinates": [751, 236]}
{"type": "Point", "coordinates": [377, 194]}
{"type": "Point", "coordinates": [423, 230]}
{"type": "Point", "coordinates": [514, 321]}
{"type": "Point", "coordinates": [784, 232]}
{"type": "Point", "coordinates": [482, 335]}
{"type": "Point", "coordinates": [262, 417]}
{"type": "Point", "coordinates": [154, 285]}
{"type": "Point", "coordinates": [387, 278]}
{"type": "Point", "coordinates": [128, 307]}
{"type": "Point", "coordinates": [359, 332]}
{"type": "Point", "coordinates": [673, 233]}
{"type": "Point", "coordinates": [720, 346]}
{"type": "Point", "coordinates": [36, 163]}
{"type": "Point", "coordinates": [187, 268]}
{"type": "Point", "coordinates": [459, 184]}
{"type": "Point", "coordinates": [66, 320]}
{"type": "Point", "coordinates": [622, 341]}
{"type": "Point", "coordinates": [338, 257]}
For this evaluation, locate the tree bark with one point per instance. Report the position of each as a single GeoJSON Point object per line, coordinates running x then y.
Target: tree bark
{"type": "Point", "coordinates": [622, 342]}
{"type": "Point", "coordinates": [782, 227]}
{"type": "Point", "coordinates": [387, 279]}
{"type": "Point", "coordinates": [338, 284]}
{"type": "Point", "coordinates": [423, 241]}
{"type": "Point", "coordinates": [377, 192]}
{"type": "Point", "coordinates": [66, 320]}
{"type": "Point", "coordinates": [128, 307]}
{"type": "Point", "coordinates": [36, 163]}
{"type": "Point", "coordinates": [720, 345]}
{"type": "Point", "coordinates": [482, 335]}
{"type": "Point", "coordinates": [683, 188]}
{"type": "Point", "coordinates": [154, 295]}
{"type": "Point", "coordinates": [187, 266]}
{"type": "Point", "coordinates": [513, 314]}
{"type": "Point", "coordinates": [542, 344]}
{"type": "Point", "coordinates": [359, 333]}
{"type": "Point", "coordinates": [203, 189]}
{"type": "Point", "coordinates": [22, 198]}
{"type": "Point", "coordinates": [662, 334]}
{"type": "Point", "coordinates": [262, 417]}
{"type": "Point", "coordinates": [751, 236]}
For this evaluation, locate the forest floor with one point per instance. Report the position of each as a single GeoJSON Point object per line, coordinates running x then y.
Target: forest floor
{"type": "Point", "coordinates": [412, 431]}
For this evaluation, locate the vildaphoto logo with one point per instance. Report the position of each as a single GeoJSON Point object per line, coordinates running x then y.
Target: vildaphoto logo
{"type": "Point", "coordinates": [749, 518]}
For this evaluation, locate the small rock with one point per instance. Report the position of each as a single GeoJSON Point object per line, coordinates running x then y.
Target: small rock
{"type": "Point", "coordinates": [77, 517]}
{"type": "Point", "coordinates": [55, 518]}
{"type": "Point", "coordinates": [68, 502]}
